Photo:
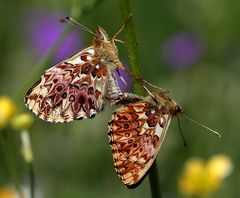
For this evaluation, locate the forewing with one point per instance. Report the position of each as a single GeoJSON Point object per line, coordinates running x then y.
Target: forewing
{"type": "Point", "coordinates": [71, 90]}
{"type": "Point", "coordinates": [136, 133]}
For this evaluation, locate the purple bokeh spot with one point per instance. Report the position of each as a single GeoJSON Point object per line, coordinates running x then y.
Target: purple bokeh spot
{"type": "Point", "coordinates": [126, 77]}
{"type": "Point", "coordinates": [69, 46]}
{"type": "Point", "coordinates": [43, 30]}
{"type": "Point", "coordinates": [182, 50]}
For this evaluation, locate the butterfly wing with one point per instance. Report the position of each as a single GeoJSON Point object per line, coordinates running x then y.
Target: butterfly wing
{"type": "Point", "coordinates": [137, 131]}
{"type": "Point", "coordinates": [71, 90]}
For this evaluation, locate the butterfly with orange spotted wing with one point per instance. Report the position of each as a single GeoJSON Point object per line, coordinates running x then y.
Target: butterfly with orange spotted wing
{"type": "Point", "coordinates": [77, 87]}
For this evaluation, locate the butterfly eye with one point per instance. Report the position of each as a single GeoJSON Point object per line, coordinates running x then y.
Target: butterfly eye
{"type": "Point", "coordinates": [100, 37]}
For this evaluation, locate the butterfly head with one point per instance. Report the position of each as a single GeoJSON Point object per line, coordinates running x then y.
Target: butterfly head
{"type": "Point", "coordinates": [163, 101]}
{"type": "Point", "coordinates": [107, 49]}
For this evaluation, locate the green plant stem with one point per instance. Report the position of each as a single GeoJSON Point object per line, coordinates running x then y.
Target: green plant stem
{"type": "Point", "coordinates": [32, 179]}
{"type": "Point", "coordinates": [131, 45]}
{"type": "Point", "coordinates": [137, 88]}
{"type": "Point", "coordinates": [154, 181]}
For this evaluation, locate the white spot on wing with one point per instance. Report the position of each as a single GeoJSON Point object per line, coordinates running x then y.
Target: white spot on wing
{"type": "Point", "coordinates": [91, 51]}
{"type": "Point", "coordinates": [76, 60]}
{"type": "Point", "coordinates": [158, 130]}
{"type": "Point", "coordinates": [152, 111]}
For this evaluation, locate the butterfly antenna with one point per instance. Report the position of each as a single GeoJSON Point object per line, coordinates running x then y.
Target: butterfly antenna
{"type": "Point", "coordinates": [154, 86]}
{"type": "Point", "coordinates": [122, 28]}
{"type": "Point", "coordinates": [149, 92]}
{"type": "Point", "coordinates": [123, 80]}
{"type": "Point", "coordinates": [146, 89]}
{"type": "Point", "coordinates": [78, 25]}
{"type": "Point", "coordinates": [201, 125]}
{"type": "Point", "coordinates": [181, 133]}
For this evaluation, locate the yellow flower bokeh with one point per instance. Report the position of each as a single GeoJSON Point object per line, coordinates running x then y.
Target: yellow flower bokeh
{"type": "Point", "coordinates": [7, 109]}
{"type": "Point", "coordinates": [219, 166]}
{"type": "Point", "coordinates": [201, 177]}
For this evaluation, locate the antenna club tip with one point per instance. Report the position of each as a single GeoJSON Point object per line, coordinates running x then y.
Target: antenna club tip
{"type": "Point", "coordinates": [65, 20]}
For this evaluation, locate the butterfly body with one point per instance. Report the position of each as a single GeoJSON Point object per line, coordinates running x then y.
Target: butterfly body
{"type": "Point", "coordinates": [76, 88]}
{"type": "Point", "coordinates": [136, 133]}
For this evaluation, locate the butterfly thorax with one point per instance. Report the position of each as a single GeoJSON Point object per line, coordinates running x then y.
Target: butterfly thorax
{"type": "Point", "coordinates": [167, 104]}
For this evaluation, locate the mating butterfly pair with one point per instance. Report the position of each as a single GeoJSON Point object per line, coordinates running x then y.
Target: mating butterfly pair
{"type": "Point", "coordinates": [77, 87]}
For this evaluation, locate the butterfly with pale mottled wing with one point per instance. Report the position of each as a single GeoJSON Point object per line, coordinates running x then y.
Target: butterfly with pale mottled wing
{"type": "Point", "coordinates": [136, 133]}
{"type": "Point", "coordinates": [77, 87]}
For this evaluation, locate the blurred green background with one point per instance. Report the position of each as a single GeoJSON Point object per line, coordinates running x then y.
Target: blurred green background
{"type": "Point", "coordinates": [189, 47]}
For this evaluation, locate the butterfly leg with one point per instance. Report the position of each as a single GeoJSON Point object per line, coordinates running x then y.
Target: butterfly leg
{"type": "Point", "coordinates": [122, 28]}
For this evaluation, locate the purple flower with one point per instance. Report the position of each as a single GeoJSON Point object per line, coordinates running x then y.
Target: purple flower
{"type": "Point", "coordinates": [182, 50]}
{"type": "Point", "coordinates": [43, 30]}
{"type": "Point", "coordinates": [126, 77]}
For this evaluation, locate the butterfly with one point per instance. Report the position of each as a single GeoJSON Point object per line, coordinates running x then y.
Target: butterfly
{"type": "Point", "coordinates": [136, 133]}
{"type": "Point", "coordinates": [137, 130]}
{"type": "Point", "coordinates": [77, 87]}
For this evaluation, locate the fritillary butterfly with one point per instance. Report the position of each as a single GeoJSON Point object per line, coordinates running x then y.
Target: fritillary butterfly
{"type": "Point", "coordinates": [136, 133]}
{"type": "Point", "coordinates": [77, 87]}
